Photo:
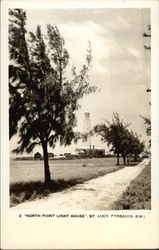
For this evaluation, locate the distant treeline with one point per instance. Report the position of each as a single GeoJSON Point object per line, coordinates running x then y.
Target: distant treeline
{"type": "Point", "coordinates": [23, 159]}
{"type": "Point", "coordinates": [67, 158]}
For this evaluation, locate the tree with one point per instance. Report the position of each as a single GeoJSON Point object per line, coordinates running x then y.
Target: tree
{"type": "Point", "coordinates": [112, 133]}
{"type": "Point", "coordinates": [138, 147]}
{"type": "Point", "coordinates": [43, 101]}
{"type": "Point", "coordinates": [148, 129]}
{"type": "Point", "coordinates": [123, 142]}
{"type": "Point", "coordinates": [133, 147]}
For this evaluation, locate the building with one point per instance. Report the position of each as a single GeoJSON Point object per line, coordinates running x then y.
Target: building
{"type": "Point", "coordinates": [84, 151]}
{"type": "Point", "coordinates": [37, 156]}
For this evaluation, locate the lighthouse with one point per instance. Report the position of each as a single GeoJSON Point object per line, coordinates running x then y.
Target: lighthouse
{"type": "Point", "coordinates": [87, 126]}
{"type": "Point", "coordinates": [85, 149]}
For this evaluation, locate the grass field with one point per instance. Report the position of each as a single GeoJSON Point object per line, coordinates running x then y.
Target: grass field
{"type": "Point", "coordinates": [25, 171]}
{"type": "Point", "coordinates": [26, 177]}
{"type": "Point", "coordinates": [138, 194]}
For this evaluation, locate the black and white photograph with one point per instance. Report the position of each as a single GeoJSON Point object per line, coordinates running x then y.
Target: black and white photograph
{"type": "Point", "coordinates": [79, 135]}
{"type": "Point", "coordinates": [79, 108]}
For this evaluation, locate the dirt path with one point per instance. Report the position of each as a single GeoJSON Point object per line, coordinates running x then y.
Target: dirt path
{"type": "Point", "coordinates": [96, 194]}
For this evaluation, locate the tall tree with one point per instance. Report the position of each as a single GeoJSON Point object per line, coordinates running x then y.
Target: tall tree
{"type": "Point", "coordinates": [43, 102]}
{"type": "Point", "coordinates": [123, 142]}
{"type": "Point", "coordinates": [112, 133]}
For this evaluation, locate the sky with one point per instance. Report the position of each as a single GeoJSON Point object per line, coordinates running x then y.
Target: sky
{"type": "Point", "coordinates": [120, 67]}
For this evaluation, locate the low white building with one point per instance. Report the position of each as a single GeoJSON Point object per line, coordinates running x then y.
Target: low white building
{"type": "Point", "coordinates": [88, 151]}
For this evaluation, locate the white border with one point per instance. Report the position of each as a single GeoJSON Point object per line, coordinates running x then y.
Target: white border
{"type": "Point", "coordinates": [65, 233]}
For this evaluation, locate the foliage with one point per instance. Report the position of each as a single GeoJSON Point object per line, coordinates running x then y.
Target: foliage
{"type": "Point", "coordinates": [43, 101]}
{"type": "Point", "coordinates": [148, 129]}
{"type": "Point", "coordinates": [122, 141]}
{"type": "Point", "coordinates": [138, 194]}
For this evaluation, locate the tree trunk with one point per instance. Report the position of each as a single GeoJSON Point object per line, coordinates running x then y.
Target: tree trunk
{"type": "Point", "coordinates": [124, 159]}
{"type": "Point", "coordinates": [135, 158]}
{"type": "Point", "coordinates": [127, 160]}
{"type": "Point", "coordinates": [117, 159]}
{"type": "Point", "coordinates": [46, 164]}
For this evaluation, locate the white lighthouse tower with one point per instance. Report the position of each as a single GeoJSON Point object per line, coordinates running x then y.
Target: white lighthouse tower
{"type": "Point", "coordinates": [87, 127]}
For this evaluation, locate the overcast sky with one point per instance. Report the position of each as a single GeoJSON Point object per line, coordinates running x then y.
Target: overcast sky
{"type": "Point", "coordinates": [121, 65]}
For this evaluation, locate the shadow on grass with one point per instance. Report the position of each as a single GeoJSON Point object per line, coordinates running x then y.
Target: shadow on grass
{"type": "Point", "coordinates": [22, 191]}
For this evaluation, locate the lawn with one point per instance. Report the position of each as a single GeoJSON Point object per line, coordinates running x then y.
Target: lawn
{"type": "Point", "coordinates": [25, 171]}
{"type": "Point", "coordinates": [26, 177]}
{"type": "Point", "coordinates": [138, 194]}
